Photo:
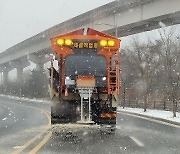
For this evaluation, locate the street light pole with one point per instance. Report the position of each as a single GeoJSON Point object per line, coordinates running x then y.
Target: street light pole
{"type": "Point", "coordinates": [115, 19]}
{"type": "Point", "coordinates": [114, 26]}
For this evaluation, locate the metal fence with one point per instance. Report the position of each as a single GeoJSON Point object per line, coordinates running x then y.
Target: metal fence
{"type": "Point", "coordinates": [159, 105]}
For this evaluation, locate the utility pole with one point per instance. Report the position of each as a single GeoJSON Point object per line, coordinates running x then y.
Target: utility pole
{"type": "Point", "coordinates": [174, 103]}
{"type": "Point", "coordinates": [124, 98]}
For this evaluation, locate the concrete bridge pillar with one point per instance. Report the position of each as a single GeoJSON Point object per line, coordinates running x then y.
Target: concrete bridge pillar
{"type": "Point", "coordinates": [5, 78]}
{"type": "Point", "coordinates": [1, 77]}
{"type": "Point", "coordinates": [1, 71]}
{"type": "Point", "coordinates": [39, 60]}
{"type": "Point", "coordinates": [19, 73]}
{"type": "Point", "coordinates": [20, 64]}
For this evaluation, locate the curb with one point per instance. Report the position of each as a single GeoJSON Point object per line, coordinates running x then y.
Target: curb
{"type": "Point", "coordinates": [150, 117]}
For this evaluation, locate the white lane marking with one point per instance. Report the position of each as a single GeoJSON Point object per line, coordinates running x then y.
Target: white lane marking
{"type": "Point", "coordinates": [139, 143]}
{"type": "Point", "coordinates": [4, 119]}
{"type": "Point", "coordinates": [149, 119]}
{"type": "Point", "coordinates": [18, 147]}
{"type": "Point", "coordinates": [118, 127]}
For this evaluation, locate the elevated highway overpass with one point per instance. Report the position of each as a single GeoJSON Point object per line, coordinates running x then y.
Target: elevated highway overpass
{"type": "Point", "coordinates": [126, 17]}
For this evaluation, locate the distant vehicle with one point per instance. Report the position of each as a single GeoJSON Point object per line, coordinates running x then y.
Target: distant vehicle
{"type": "Point", "coordinates": [86, 86]}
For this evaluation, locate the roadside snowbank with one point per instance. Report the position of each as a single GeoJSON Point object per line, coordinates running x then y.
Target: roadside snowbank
{"type": "Point", "coordinates": [167, 115]}
{"type": "Point", "coordinates": [26, 99]}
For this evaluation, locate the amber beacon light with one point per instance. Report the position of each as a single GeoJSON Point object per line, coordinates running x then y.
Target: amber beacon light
{"type": "Point", "coordinates": [103, 43]}
{"type": "Point", "coordinates": [111, 43]}
{"type": "Point", "coordinates": [68, 42]}
{"type": "Point", "coordinates": [60, 41]}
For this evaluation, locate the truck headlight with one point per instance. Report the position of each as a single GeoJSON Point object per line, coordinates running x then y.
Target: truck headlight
{"type": "Point", "coordinates": [67, 78]}
{"type": "Point", "coordinates": [104, 78]}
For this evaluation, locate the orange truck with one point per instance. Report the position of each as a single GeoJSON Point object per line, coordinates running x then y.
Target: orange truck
{"type": "Point", "coordinates": [86, 83]}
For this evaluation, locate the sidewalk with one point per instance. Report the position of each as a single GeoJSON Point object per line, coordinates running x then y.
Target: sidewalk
{"type": "Point", "coordinates": [160, 114]}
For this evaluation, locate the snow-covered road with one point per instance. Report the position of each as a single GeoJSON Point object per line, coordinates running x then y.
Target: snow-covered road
{"type": "Point", "coordinates": [133, 135]}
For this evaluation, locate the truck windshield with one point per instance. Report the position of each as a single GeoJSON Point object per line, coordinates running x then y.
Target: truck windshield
{"type": "Point", "coordinates": [85, 64]}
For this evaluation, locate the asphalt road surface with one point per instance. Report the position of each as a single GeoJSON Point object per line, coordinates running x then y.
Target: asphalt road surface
{"type": "Point", "coordinates": [21, 124]}
{"type": "Point", "coordinates": [25, 128]}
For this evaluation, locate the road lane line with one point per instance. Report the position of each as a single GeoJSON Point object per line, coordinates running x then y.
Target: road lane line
{"type": "Point", "coordinates": [17, 147]}
{"type": "Point", "coordinates": [48, 116]}
{"type": "Point", "coordinates": [149, 119]}
{"type": "Point", "coordinates": [37, 136]}
{"type": "Point", "coordinates": [41, 144]}
{"type": "Point", "coordinates": [118, 127]}
{"type": "Point", "coordinates": [139, 143]}
{"type": "Point", "coordinates": [28, 143]}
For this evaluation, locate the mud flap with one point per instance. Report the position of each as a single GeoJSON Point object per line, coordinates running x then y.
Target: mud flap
{"type": "Point", "coordinates": [107, 116]}
{"type": "Point", "coordinates": [64, 112]}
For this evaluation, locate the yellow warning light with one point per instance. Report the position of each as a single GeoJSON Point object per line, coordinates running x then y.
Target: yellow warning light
{"type": "Point", "coordinates": [103, 43]}
{"type": "Point", "coordinates": [111, 43]}
{"type": "Point", "coordinates": [68, 42]}
{"type": "Point", "coordinates": [60, 41]}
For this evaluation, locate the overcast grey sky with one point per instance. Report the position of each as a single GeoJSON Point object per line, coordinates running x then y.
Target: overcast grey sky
{"type": "Point", "coordinates": [21, 19]}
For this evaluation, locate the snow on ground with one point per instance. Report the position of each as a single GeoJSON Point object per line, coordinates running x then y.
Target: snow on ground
{"type": "Point", "coordinates": [73, 128]}
{"type": "Point", "coordinates": [4, 119]}
{"type": "Point", "coordinates": [168, 115]}
{"type": "Point", "coordinates": [27, 99]}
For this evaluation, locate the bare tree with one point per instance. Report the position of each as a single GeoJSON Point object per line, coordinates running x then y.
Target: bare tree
{"type": "Point", "coordinates": [170, 57]}
{"type": "Point", "coordinates": [145, 57]}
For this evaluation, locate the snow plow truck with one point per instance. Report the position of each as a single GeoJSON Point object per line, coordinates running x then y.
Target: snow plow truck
{"type": "Point", "coordinates": [85, 84]}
